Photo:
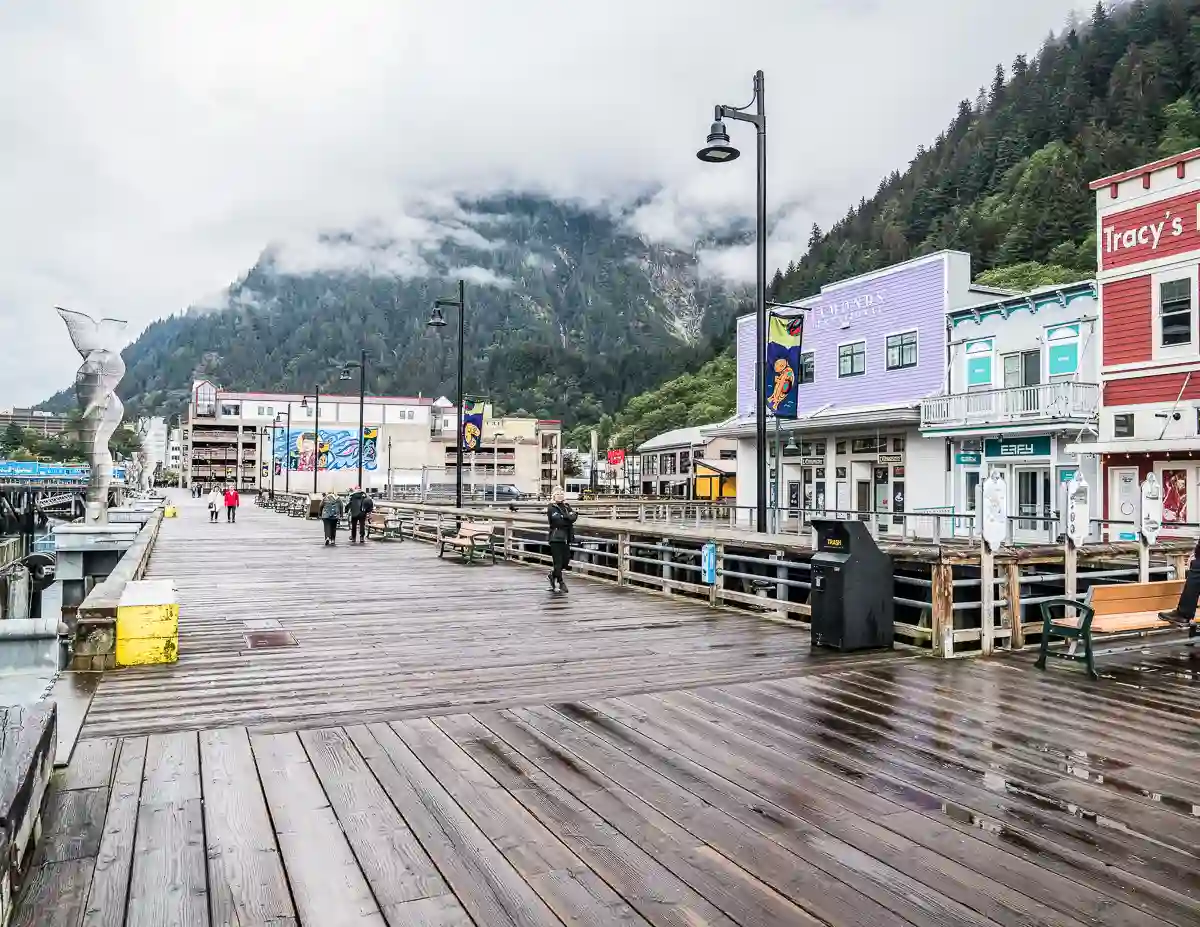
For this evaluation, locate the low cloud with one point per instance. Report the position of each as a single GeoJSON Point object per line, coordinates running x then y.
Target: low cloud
{"type": "Point", "coordinates": [481, 276]}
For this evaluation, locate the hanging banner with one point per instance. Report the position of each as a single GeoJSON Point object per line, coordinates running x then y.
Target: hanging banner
{"type": "Point", "coordinates": [616, 458]}
{"type": "Point", "coordinates": [472, 424]}
{"type": "Point", "coordinates": [784, 340]}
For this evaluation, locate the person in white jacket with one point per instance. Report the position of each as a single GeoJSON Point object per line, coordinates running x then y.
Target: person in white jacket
{"type": "Point", "coordinates": [215, 500]}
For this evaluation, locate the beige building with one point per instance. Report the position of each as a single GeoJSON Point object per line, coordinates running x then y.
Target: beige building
{"type": "Point", "coordinates": [689, 463]}
{"type": "Point", "coordinates": [409, 443]}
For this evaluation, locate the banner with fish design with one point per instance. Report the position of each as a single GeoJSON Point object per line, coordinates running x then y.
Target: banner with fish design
{"type": "Point", "coordinates": [785, 337]}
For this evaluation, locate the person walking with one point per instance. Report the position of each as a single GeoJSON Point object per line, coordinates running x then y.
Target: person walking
{"type": "Point", "coordinates": [1184, 613]}
{"type": "Point", "coordinates": [232, 501]}
{"type": "Point", "coordinates": [562, 535]}
{"type": "Point", "coordinates": [215, 501]}
{"type": "Point", "coordinates": [331, 511]}
{"type": "Point", "coordinates": [359, 507]}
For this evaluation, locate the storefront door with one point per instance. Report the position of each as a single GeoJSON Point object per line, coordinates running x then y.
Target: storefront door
{"type": "Point", "coordinates": [1035, 500]}
{"type": "Point", "coordinates": [1124, 499]}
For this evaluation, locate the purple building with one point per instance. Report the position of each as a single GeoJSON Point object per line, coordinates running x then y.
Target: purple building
{"type": "Point", "coordinates": [874, 346]}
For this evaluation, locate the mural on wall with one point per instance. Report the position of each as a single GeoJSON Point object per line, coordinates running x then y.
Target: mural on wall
{"type": "Point", "coordinates": [1174, 496]}
{"type": "Point", "coordinates": [336, 449]}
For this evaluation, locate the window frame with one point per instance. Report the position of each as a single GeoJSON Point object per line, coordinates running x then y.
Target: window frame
{"type": "Point", "coordinates": [887, 349]}
{"type": "Point", "coordinates": [808, 361]}
{"type": "Point", "coordinates": [1132, 421]}
{"type": "Point", "coordinates": [1050, 341]}
{"type": "Point", "coordinates": [1157, 280]}
{"type": "Point", "coordinates": [969, 355]}
{"type": "Point", "coordinates": [851, 344]}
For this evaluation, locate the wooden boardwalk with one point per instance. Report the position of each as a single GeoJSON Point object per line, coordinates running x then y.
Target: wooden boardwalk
{"type": "Point", "coordinates": [899, 791]}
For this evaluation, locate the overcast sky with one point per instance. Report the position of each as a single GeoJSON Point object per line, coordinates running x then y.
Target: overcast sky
{"type": "Point", "coordinates": [150, 150]}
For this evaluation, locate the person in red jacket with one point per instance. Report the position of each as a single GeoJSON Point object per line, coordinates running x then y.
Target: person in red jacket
{"type": "Point", "coordinates": [232, 501]}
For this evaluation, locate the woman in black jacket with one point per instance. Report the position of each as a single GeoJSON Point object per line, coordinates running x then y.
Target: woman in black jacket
{"type": "Point", "coordinates": [562, 535]}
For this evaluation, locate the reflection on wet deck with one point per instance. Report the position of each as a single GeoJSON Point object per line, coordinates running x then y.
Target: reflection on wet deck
{"type": "Point", "coordinates": [907, 792]}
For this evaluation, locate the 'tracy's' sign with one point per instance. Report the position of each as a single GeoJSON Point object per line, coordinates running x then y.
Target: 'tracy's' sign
{"type": "Point", "coordinates": [1145, 233]}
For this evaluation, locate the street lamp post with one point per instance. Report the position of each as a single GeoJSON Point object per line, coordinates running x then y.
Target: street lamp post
{"type": "Point", "coordinates": [287, 453]}
{"type": "Point", "coordinates": [362, 392]}
{"type": "Point", "coordinates": [274, 428]}
{"type": "Point", "coordinates": [496, 436]}
{"type": "Point", "coordinates": [717, 151]}
{"type": "Point", "coordinates": [436, 320]}
{"type": "Point", "coordinates": [316, 432]}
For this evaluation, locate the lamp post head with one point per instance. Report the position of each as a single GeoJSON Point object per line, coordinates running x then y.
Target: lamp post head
{"type": "Point", "coordinates": [345, 374]}
{"type": "Point", "coordinates": [718, 150]}
{"type": "Point", "coordinates": [436, 319]}
{"type": "Point", "coordinates": [304, 403]}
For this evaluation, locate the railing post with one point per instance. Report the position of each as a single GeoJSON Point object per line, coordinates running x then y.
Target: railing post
{"type": "Point", "coordinates": [781, 586]}
{"type": "Point", "coordinates": [942, 611]}
{"type": "Point", "coordinates": [1143, 559]}
{"type": "Point", "coordinates": [714, 591]}
{"type": "Point", "coordinates": [622, 558]}
{"type": "Point", "coordinates": [665, 559]}
{"type": "Point", "coordinates": [987, 600]}
{"type": "Point", "coordinates": [641, 515]}
{"type": "Point", "coordinates": [1012, 576]}
{"type": "Point", "coordinates": [1180, 563]}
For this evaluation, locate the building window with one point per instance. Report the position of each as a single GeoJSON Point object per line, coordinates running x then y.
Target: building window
{"type": "Point", "coordinates": [979, 363]}
{"type": "Point", "coordinates": [868, 445]}
{"type": "Point", "coordinates": [685, 462]}
{"type": "Point", "coordinates": [667, 464]}
{"type": "Point", "coordinates": [852, 359]}
{"type": "Point", "coordinates": [231, 408]}
{"type": "Point", "coordinates": [697, 453]}
{"type": "Point", "coordinates": [901, 350]}
{"type": "Point", "coordinates": [1062, 351]}
{"type": "Point", "coordinates": [897, 444]}
{"type": "Point", "coordinates": [411, 415]}
{"type": "Point", "coordinates": [728, 454]}
{"type": "Point", "coordinates": [1175, 310]}
{"type": "Point", "coordinates": [807, 367]}
{"type": "Point", "coordinates": [1022, 369]}
{"type": "Point", "coordinates": [1123, 425]}
{"type": "Point", "coordinates": [840, 447]}
{"type": "Point", "coordinates": [650, 464]}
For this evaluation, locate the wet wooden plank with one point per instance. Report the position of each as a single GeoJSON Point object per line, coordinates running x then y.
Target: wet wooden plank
{"type": "Point", "coordinates": [54, 894]}
{"type": "Point", "coordinates": [837, 867]}
{"type": "Point", "coordinates": [72, 823]}
{"type": "Point", "coordinates": [114, 861]}
{"type": "Point", "coordinates": [395, 865]}
{"type": "Point", "coordinates": [168, 884]}
{"type": "Point", "coordinates": [637, 876]}
{"type": "Point", "coordinates": [246, 883]}
{"type": "Point", "coordinates": [327, 884]}
{"type": "Point", "coordinates": [570, 889]}
{"type": "Point", "coordinates": [488, 887]}
{"type": "Point", "coordinates": [172, 774]}
{"type": "Point", "coordinates": [91, 765]}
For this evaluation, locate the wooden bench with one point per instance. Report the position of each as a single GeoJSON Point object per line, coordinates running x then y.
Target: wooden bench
{"type": "Point", "coordinates": [472, 538]}
{"type": "Point", "coordinates": [385, 525]}
{"type": "Point", "coordinates": [1123, 610]}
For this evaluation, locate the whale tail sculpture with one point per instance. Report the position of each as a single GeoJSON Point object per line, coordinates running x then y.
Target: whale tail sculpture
{"type": "Point", "coordinates": [99, 344]}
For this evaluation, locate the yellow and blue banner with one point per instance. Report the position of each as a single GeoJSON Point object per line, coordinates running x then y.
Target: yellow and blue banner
{"type": "Point", "coordinates": [472, 424]}
{"type": "Point", "coordinates": [785, 337]}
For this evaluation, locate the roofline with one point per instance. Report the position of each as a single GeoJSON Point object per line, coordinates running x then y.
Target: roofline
{"type": "Point", "coordinates": [1158, 165]}
{"type": "Point", "coordinates": [1023, 298]}
{"type": "Point", "coordinates": [331, 397]}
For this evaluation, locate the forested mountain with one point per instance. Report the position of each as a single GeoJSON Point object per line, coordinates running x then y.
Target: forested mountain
{"type": "Point", "coordinates": [570, 314]}
{"type": "Point", "coordinates": [1007, 181]}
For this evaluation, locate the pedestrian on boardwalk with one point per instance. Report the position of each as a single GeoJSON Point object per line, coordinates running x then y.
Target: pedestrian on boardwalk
{"type": "Point", "coordinates": [359, 507]}
{"type": "Point", "coordinates": [331, 511]}
{"type": "Point", "coordinates": [562, 535]}
{"type": "Point", "coordinates": [232, 501]}
{"type": "Point", "coordinates": [215, 501]}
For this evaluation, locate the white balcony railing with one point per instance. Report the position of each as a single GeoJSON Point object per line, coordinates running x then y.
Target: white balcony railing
{"type": "Point", "coordinates": [1067, 401]}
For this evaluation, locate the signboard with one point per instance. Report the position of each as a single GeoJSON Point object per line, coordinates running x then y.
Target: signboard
{"type": "Point", "coordinates": [1152, 232]}
{"type": "Point", "coordinates": [708, 563]}
{"type": "Point", "coordinates": [472, 433]}
{"type": "Point", "coordinates": [32, 469]}
{"type": "Point", "coordinates": [891, 458]}
{"type": "Point", "coordinates": [784, 339]}
{"type": "Point", "coordinates": [1150, 519]}
{"type": "Point", "coordinates": [616, 458]}
{"type": "Point", "coordinates": [1066, 474]}
{"type": "Point", "coordinates": [995, 509]}
{"type": "Point", "coordinates": [1017, 447]}
{"type": "Point", "coordinates": [812, 462]}
{"type": "Point", "coordinates": [969, 459]}
{"type": "Point", "coordinates": [1078, 511]}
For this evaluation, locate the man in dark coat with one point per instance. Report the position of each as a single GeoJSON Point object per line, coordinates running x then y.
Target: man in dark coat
{"type": "Point", "coordinates": [561, 536]}
{"type": "Point", "coordinates": [358, 508]}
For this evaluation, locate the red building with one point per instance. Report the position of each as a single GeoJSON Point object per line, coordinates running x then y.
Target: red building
{"type": "Point", "coordinates": [1148, 251]}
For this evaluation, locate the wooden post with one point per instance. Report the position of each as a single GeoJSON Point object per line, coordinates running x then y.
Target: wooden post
{"type": "Point", "coordinates": [781, 588]}
{"type": "Point", "coordinates": [987, 600]}
{"type": "Point", "coordinates": [1012, 576]}
{"type": "Point", "coordinates": [1143, 559]}
{"type": "Point", "coordinates": [1180, 563]}
{"type": "Point", "coordinates": [942, 613]}
{"type": "Point", "coordinates": [714, 591]}
{"type": "Point", "coordinates": [508, 530]}
{"type": "Point", "coordinates": [622, 558]}
{"type": "Point", "coordinates": [1071, 571]}
{"type": "Point", "coordinates": [665, 555]}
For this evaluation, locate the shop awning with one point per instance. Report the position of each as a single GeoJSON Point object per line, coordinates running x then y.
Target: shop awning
{"type": "Point", "coordinates": [1133, 446]}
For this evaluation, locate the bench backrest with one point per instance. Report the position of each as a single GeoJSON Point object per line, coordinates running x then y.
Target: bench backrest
{"type": "Point", "coordinates": [1131, 598]}
{"type": "Point", "coordinates": [476, 527]}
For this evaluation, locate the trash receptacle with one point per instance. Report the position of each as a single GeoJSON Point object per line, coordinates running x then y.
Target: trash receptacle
{"type": "Point", "coordinates": [314, 504]}
{"type": "Point", "coordinates": [852, 582]}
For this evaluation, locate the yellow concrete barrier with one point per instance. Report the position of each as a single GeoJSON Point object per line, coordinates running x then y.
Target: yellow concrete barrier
{"type": "Point", "coordinates": [148, 623]}
{"type": "Point", "coordinates": [170, 512]}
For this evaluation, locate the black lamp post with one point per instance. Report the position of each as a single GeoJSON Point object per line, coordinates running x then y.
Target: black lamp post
{"type": "Point", "coordinates": [361, 364]}
{"type": "Point", "coordinates": [437, 320]}
{"type": "Point", "coordinates": [717, 151]}
{"type": "Point", "coordinates": [316, 432]}
{"type": "Point", "coordinates": [287, 451]}
{"type": "Point", "coordinates": [274, 428]}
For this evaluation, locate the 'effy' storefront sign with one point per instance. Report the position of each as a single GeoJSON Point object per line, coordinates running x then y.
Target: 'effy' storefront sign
{"type": "Point", "coordinates": [1017, 447]}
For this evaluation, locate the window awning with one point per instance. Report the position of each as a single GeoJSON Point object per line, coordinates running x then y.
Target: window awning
{"type": "Point", "coordinates": [1133, 446]}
